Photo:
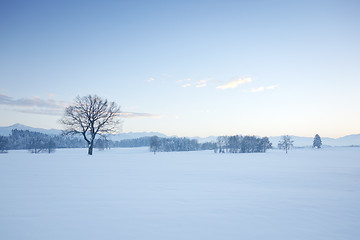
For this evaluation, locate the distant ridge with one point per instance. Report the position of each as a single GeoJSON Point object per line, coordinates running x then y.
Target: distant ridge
{"type": "Point", "coordinates": [5, 131]}
{"type": "Point", "coordinates": [349, 140]}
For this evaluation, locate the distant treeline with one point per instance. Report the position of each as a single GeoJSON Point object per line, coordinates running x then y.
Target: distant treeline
{"type": "Point", "coordinates": [242, 144]}
{"type": "Point", "coordinates": [128, 143]}
{"type": "Point", "coordinates": [224, 144]}
{"type": "Point", "coordinates": [39, 142]}
{"type": "Point", "coordinates": [175, 144]}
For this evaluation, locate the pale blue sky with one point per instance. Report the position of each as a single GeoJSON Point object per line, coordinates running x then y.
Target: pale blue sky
{"type": "Point", "coordinates": [187, 68]}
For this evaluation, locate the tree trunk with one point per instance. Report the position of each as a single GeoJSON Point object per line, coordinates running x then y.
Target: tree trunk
{"type": "Point", "coordinates": [91, 147]}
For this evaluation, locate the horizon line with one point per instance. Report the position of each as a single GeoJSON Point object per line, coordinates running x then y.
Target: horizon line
{"type": "Point", "coordinates": [174, 135]}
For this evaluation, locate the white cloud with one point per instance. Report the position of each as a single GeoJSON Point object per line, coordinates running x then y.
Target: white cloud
{"type": "Point", "coordinates": [262, 88]}
{"type": "Point", "coordinates": [259, 89]}
{"type": "Point", "coordinates": [272, 87]}
{"type": "Point", "coordinates": [235, 84]}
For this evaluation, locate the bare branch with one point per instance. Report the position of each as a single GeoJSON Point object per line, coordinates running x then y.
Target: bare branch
{"type": "Point", "coordinates": [90, 116]}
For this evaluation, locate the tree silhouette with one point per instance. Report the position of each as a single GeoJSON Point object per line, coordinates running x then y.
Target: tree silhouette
{"type": "Point", "coordinates": [286, 143]}
{"type": "Point", "coordinates": [90, 116]}
{"type": "Point", "coordinates": [317, 141]}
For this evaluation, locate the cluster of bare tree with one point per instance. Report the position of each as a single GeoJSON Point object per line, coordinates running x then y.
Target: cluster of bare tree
{"type": "Point", "coordinates": [135, 142]}
{"type": "Point", "coordinates": [173, 144]}
{"type": "Point", "coordinates": [242, 144]}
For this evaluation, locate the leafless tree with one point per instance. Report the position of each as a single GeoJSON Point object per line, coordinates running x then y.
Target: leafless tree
{"type": "Point", "coordinates": [285, 143]}
{"type": "Point", "coordinates": [90, 116]}
{"type": "Point", "coordinates": [36, 145]}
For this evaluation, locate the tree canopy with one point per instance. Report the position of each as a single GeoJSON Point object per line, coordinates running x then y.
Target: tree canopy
{"type": "Point", "coordinates": [90, 116]}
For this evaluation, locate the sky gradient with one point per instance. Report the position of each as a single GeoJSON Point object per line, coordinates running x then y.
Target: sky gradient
{"type": "Point", "coordinates": [186, 68]}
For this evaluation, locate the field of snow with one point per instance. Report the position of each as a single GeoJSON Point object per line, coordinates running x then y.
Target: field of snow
{"type": "Point", "coordinates": [134, 194]}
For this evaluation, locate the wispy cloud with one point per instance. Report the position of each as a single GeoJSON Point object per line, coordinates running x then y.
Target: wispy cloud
{"type": "Point", "coordinates": [51, 107]}
{"type": "Point", "coordinates": [186, 85]}
{"type": "Point", "coordinates": [235, 84]}
{"type": "Point", "coordinates": [262, 88]}
{"type": "Point", "coordinates": [150, 79]}
{"type": "Point", "coordinates": [193, 83]}
{"type": "Point", "coordinates": [28, 102]}
{"type": "Point", "coordinates": [139, 115]}
{"type": "Point", "coordinates": [201, 83]}
{"type": "Point", "coordinates": [34, 105]}
{"type": "Point", "coordinates": [41, 111]}
{"type": "Point", "coordinates": [259, 89]}
{"type": "Point", "coordinates": [272, 87]}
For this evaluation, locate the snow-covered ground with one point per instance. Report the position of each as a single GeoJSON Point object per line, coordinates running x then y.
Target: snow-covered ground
{"type": "Point", "coordinates": [134, 194]}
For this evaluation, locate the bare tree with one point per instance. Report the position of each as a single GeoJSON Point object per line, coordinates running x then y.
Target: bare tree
{"type": "Point", "coordinates": [221, 143]}
{"type": "Point", "coordinates": [155, 144]}
{"type": "Point", "coordinates": [90, 116]}
{"type": "Point", "coordinates": [286, 143]}
{"type": "Point", "coordinates": [50, 146]}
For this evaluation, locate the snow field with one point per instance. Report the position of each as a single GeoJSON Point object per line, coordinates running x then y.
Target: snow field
{"type": "Point", "coordinates": [134, 194]}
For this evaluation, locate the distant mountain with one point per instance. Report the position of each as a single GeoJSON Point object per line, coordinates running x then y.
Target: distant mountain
{"type": "Point", "coordinates": [298, 141]}
{"type": "Point", "coordinates": [348, 140]}
{"type": "Point", "coordinates": [5, 131]}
